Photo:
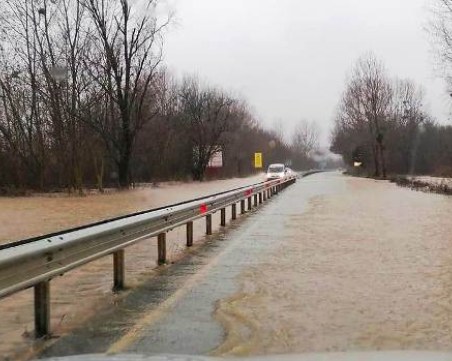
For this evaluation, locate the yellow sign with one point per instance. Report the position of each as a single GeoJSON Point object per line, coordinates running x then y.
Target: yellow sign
{"type": "Point", "coordinates": [257, 160]}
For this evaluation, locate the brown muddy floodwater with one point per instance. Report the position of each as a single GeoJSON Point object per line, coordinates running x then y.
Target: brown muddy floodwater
{"type": "Point", "coordinates": [365, 266]}
{"type": "Point", "coordinates": [80, 293]}
{"type": "Point", "coordinates": [368, 267]}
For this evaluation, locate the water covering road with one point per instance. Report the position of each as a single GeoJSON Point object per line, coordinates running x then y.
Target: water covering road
{"type": "Point", "coordinates": [333, 263]}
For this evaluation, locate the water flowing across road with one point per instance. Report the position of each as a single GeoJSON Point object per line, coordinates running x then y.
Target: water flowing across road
{"type": "Point", "coordinates": [333, 263]}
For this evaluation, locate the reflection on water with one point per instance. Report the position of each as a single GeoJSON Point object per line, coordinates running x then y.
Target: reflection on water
{"type": "Point", "coordinates": [80, 293]}
{"type": "Point", "coordinates": [369, 268]}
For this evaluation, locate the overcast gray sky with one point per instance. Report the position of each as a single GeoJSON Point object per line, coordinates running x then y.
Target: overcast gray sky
{"type": "Point", "coordinates": [290, 58]}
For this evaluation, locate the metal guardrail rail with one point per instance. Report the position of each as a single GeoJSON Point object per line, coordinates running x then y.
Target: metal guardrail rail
{"type": "Point", "coordinates": [34, 262]}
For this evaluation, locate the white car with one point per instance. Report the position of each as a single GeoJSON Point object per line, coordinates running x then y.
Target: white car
{"type": "Point", "coordinates": [276, 171]}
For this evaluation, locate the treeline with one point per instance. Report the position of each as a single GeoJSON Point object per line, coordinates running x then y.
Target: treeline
{"type": "Point", "coordinates": [381, 121]}
{"type": "Point", "coordinates": [85, 100]}
{"type": "Point", "coordinates": [382, 125]}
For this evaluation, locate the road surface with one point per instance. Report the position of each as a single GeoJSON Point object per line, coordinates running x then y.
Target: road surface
{"type": "Point", "coordinates": [333, 263]}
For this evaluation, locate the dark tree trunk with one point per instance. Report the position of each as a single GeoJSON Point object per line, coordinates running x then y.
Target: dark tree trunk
{"type": "Point", "coordinates": [376, 163]}
{"type": "Point", "coordinates": [123, 173]}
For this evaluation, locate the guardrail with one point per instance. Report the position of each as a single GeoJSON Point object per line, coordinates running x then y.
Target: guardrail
{"type": "Point", "coordinates": [310, 172]}
{"type": "Point", "coordinates": [34, 262]}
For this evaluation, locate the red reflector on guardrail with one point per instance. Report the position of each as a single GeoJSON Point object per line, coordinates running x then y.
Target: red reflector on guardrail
{"type": "Point", "coordinates": [248, 192]}
{"type": "Point", "coordinates": [203, 208]}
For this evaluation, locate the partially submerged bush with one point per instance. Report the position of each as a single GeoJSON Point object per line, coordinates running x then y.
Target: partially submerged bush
{"type": "Point", "coordinates": [416, 184]}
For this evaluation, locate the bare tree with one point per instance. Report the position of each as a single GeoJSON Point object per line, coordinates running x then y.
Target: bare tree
{"type": "Point", "coordinates": [441, 29]}
{"type": "Point", "coordinates": [48, 46]}
{"type": "Point", "coordinates": [375, 108]}
{"type": "Point", "coordinates": [305, 137]}
{"type": "Point", "coordinates": [407, 116]}
{"type": "Point", "coordinates": [366, 104]}
{"type": "Point", "coordinates": [160, 140]}
{"type": "Point", "coordinates": [126, 53]}
{"type": "Point", "coordinates": [23, 124]}
{"type": "Point", "coordinates": [279, 132]}
{"type": "Point", "coordinates": [207, 113]}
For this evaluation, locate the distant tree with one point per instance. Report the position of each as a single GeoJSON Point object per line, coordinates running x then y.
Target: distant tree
{"type": "Point", "coordinates": [207, 114]}
{"type": "Point", "coordinates": [404, 126]}
{"type": "Point", "coordinates": [305, 137]}
{"type": "Point", "coordinates": [374, 106]}
{"type": "Point", "coordinates": [279, 131]}
{"type": "Point", "coordinates": [365, 107]}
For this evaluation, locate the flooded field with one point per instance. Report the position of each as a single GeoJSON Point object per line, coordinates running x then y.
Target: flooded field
{"type": "Point", "coordinates": [23, 217]}
{"type": "Point", "coordinates": [80, 293]}
{"type": "Point", "coordinates": [366, 267]}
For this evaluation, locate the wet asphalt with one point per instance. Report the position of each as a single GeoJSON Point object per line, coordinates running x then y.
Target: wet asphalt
{"type": "Point", "coordinates": [174, 311]}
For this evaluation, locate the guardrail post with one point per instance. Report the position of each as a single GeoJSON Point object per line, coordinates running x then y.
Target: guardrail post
{"type": "Point", "coordinates": [264, 195]}
{"type": "Point", "coordinates": [249, 203]}
{"type": "Point", "coordinates": [260, 197]}
{"type": "Point", "coordinates": [255, 200]}
{"type": "Point", "coordinates": [209, 224]}
{"type": "Point", "coordinates": [42, 309]}
{"type": "Point", "coordinates": [242, 206]}
{"type": "Point", "coordinates": [223, 217]}
{"type": "Point", "coordinates": [189, 234]}
{"type": "Point", "coordinates": [118, 270]}
{"type": "Point", "coordinates": [234, 211]}
{"type": "Point", "coordinates": [161, 248]}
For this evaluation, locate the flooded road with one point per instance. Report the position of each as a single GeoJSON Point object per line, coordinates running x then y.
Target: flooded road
{"type": "Point", "coordinates": [83, 292]}
{"type": "Point", "coordinates": [367, 267]}
{"type": "Point", "coordinates": [333, 263]}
